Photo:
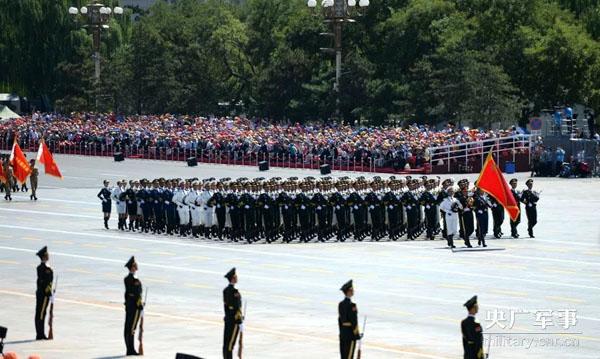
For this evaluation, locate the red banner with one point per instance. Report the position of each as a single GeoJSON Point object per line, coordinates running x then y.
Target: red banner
{"type": "Point", "coordinates": [492, 182]}
{"type": "Point", "coordinates": [21, 168]}
{"type": "Point", "coordinates": [45, 157]}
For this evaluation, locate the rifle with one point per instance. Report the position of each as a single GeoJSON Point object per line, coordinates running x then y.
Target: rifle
{"type": "Point", "coordinates": [241, 340]}
{"type": "Point", "coordinates": [360, 341]}
{"type": "Point", "coordinates": [141, 335]}
{"type": "Point", "coordinates": [51, 319]}
{"type": "Point", "coordinates": [487, 353]}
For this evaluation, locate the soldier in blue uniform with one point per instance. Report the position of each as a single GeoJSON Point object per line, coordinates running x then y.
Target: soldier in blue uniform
{"type": "Point", "coordinates": [480, 205]}
{"type": "Point", "coordinates": [429, 202]}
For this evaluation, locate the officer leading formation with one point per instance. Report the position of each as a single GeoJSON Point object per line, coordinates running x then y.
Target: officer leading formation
{"type": "Point", "coordinates": [305, 210]}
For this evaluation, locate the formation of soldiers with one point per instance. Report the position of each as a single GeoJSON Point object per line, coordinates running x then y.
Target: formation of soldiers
{"type": "Point", "coordinates": [10, 184]}
{"type": "Point", "coordinates": [308, 209]}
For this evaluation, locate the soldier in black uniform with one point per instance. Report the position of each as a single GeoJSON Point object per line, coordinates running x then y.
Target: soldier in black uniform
{"type": "Point", "coordinates": [393, 208]}
{"type": "Point", "coordinates": [43, 293]}
{"type": "Point", "coordinates": [265, 203]}
{"type": "Point", "coordinates": [465, 216]}
{"type": "Point", "coordinates": [105, 197]}
{"type": "Point", "coordinates": [302, 204]}
{"type": "Point", "coordinates": [472, 332]}
{"type": "Point", "coordinates": [376, 209]}
{"type": "Point", "coordinates": [517, 196]}
{"type": "Point", "coordinates": [232, 303]}
{"type": "Point", "coordinates": [219, 198]}
{"type": "Point", "coordinates": [321, 208]}
{"type": "Point", "coordinates": [429, 201]}
{"type": "Point", "coordinates": [348, 323]}
{"type": "Point", "coordinates": [411, 204]}
{"type": "Point", "coordinates": [133, 305]}
{"type": "Point", "coordinates": [131, 203]}
{"type": "Point", "coordinates": [497, 216]}
{"type": "Point", "coordinates": [530, 199]}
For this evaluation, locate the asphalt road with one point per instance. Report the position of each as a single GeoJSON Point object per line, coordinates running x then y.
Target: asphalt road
{"type": "Point", "coordinates": [412, 292]}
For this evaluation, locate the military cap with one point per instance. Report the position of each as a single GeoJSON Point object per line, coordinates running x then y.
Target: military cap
{"type": "Point", "coordinates": [392, 178]}
{"type": "Point", "coordinates": [346, 286]}
{"type": "Point", "coordinates": [42, 252]}
{"type": "Point", "coordinates": [225, 179]}
{"type": "Point", "coordinates": [230, 274]}
{"type": "Point", "coordinates": [130, 262]}
{"type": "Point", "coordinates": [529, 181]}
{"type": "Point", "coordinates": [513, 180]}
{"type": "Point", "coordinates": [447, 182]}
{"type": "Point", "coordinates": [293, 178]}
{"type": "Point", "coordinates": [471, 302]}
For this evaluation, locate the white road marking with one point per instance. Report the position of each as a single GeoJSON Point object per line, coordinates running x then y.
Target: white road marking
{"type": "Point", "coordinates": [273, 279]}
{"type": "Point", "coordinates": [47, 213]}
{"type": "Point", "coordinates": [289, 255]}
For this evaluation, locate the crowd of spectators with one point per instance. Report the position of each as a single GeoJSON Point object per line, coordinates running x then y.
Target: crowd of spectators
{"type": "Point", "coordinates": [385, 146]}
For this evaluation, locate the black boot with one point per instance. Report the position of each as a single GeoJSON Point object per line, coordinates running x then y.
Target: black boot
{"type": "Point", "coordinates": [468, 243]}
{"type": "Point", "coordinates": [106, 223]}
{"type": "Point", "coordinates": [450, 241]}
{"type": "Point", "coordinates": [483, 242]}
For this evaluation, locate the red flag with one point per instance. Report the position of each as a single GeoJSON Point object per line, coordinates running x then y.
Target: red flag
{"type": "Point", "coordinates": [492, 182]}
{"type": "Point", "coordinates": [21, 168]}
{"type": "Point", "coordinates": [3, 178]}
{"type": "Point", "coordinates": [45, 157]}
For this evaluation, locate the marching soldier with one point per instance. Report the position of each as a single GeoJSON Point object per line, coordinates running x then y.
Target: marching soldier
{"type": "Point", "coordinates": [219, 199]}
{"type": "Point", "coordinates": [465, 215]}
{"type": "Point", "coordinates": [451, 207]}
{"type": "Point", "coordinates": [348, 322]}
{"type": "Point", "coordinates": [105, 195]}
{"type": "Point", "coordinates": [530, 199]}
{"type": "Point", "coordinates": [480, 206]}
{"type": "Point", "coordinates": [393, 208]}
{"type": "Point", "coordinates": [182, 208]}
{"type": "Point", "coordinates": [118, 196]}
{"type": "Point", "coordinates": [497, 216]}
{"type": "Point", "coordinates": [411, 203]}
{"type": "Point", "coordinates": [429, 201]}
{"type": "Point", "coordinates": [133, 305]}
{"type": "Point", "coordinates": [170, 207]}
{"type": "Point", "coordinates": [33, 180]}
{"type": "Point", "coordinates": [517, 196]}
{"type": "Point", "coordinates": [43, 293]}
{"type": "Point", "coordinates": [447, 183]}
{"type": "Point", "coordinates": [131, 205]}
{"type": "Point", "coordinates": [232, 303]}
{"type": "Point", "coordinates": [472, 332]}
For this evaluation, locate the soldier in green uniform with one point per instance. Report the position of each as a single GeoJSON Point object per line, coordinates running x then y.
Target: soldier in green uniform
{"type": "Point", "coordinates": [517, 196]}
{"type": "Point", "coordinates": [232, 303]}
{"type": "Point", "coordinates": [133, 305]}
{"type": "Point", "coordinates": [472, 333]}
{"type": "Point", "coordinates": [348, 322]}
{"type": "Point", "coordinates": [43, 293]}
{"type": "Point", "coordinates": [33, 180]}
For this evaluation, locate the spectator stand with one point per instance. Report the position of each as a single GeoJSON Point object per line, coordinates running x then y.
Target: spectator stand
{"type": "Point", "coordinates": [469, 157]}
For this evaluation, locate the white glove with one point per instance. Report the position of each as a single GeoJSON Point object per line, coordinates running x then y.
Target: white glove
{"type": "Point", "coordinates": [408, 207]}
{"type": "Point", "coordinates": [52, 299]}
{"type": "Point", "coordinates": [266, 206]}
{"type": "Point", "coordinates": [241, 328]}
{"type": "Point", "coordinates": [337, 207]}
{"type": "Point", "coordinates": [355, 207]}
{"type": "Point", "coordinates": [303, 207]}
{"type": "Point", "coordinates": [167, 202]}
{"type": "Point", "coordinates": [371, 207]}
{"type": "Point", "coordinates": [391, 206]}
{"type": "Point", "coordinates": [246, 206]}
{"type": "Point", "coordinates": [428, 206]}
{"type": "Point", "coordinates": [285, 207]}
{"type": "Point", "coordinates": [155, 201]}
{"type": "Point", "coordinates": [104, 201]}
{"type": "Point", "coordinates": [480, 212]}
{"type": "Point", "coordinates": [142, 201]}
{"type": "Point", "coordinates": [319, 208]}
{"type": "Point", "coordinates": [218, 206]}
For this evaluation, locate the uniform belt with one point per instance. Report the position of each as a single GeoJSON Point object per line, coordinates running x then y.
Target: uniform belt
{"type": "Point", "coordinates": [346, 324]}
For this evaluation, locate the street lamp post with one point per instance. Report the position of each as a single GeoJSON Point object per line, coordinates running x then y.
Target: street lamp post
{"type": "Point", "coordinates": [96, 18]}
{"type": "Point", "coordinates": [337, 13]}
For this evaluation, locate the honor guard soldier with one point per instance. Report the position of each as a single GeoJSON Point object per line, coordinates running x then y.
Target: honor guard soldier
{"type": "Point", "coordinates": [232, 303]}
{"type": "Point", "coordinates": [105, 197]}
{"type": "Point", "coordinates": [411, 203]}
{"type": "Point", "coordinates": [393, 208]}
{"type": "Point", "coordinates": [220, 200]}
{"type": "Point", "coordinates": [348, 322]}
{"type": "Point", "coordinates": [133, 305]}
{"type": "Point", "coordinates": [43, 293]}
{"type": "Point", "coordinates": [530, 199]}
{"type": "Point", "coordinates": [118, 195]}
{"type": "Point", "coordinates": [472, 333]}
{"type": "Point", "coordinates": [517, 196]}
{"type": "Point", "coordinates": [447, 183]}
{"type": "Point", "coordinates": [131, 205]}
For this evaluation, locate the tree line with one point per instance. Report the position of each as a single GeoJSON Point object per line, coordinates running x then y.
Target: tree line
{"type": "Point", "coordinates": [403, 60]}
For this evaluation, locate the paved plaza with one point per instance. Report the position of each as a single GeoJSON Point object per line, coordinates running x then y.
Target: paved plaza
{"type": "Point", "coordinates": [542, 294]}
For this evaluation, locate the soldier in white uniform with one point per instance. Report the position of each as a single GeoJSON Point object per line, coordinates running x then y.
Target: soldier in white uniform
{"type": "Point", "coordinates": [195, 210]}
{"type": "Point", "coordinates": [120, 203]}
{"type": "Point", "coordinates": [451, 206]}
{"type": "Point", "coordinates": [182, 208]}
{"type": "Point", "coordinates": [208, 208]}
